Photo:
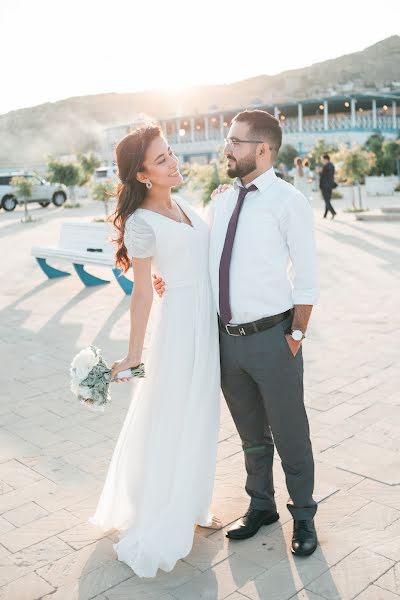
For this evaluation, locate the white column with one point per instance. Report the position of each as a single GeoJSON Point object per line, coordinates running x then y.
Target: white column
{"type": "Point", "coordinates": [353, 112]}
{"type": "Point", "coordinates": [374, 122]}
{"type": "Point", "coordinates": [192, 129]}
{"type": "Point", "coordinates": [300, 117]}
{"type": "Point", "coordinates": [394, 124]}
{"type": "Point", "coordinates": [178, 126]}
{"type": "Point", "coordinates": [206, 128]}
{"type": "Point", "coordinates": [221, 127]}
{"type": "Point", "coordinates": [325, 115]}
{"type": "Point", "coordinates": [276, 112]}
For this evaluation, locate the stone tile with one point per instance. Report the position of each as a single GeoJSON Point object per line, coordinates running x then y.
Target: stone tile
{"type": "Point", "coordinates": [384, 434]}
{"type": "Point", "coordinates": [5, 526]}
{"type": "Point", "coordinates": [38, 530]}
{"type": "Point", "coordinates": [12, 446]}
{"type": "Point", "coordinates": [161, 586]}
{"type": "Point", "coordinates": [337, 414]}
{"type": "Point", "coordinates": [373, 592]}
{"type": "Point", "coordinates": [390, 580]}
{"type": "Point", "coordinates": [368, 522]}
{"type": "Point", "coordinates": [81, 535]}
{"type": "Point", "coordinates": [350, 576]}
{"type": "Point", "coordinates": [363, 459]}
{"type": "Point", "coordinates": [58, 470]}
{"type": "Point", "coordinates": [14, 566]}
{"type": "Point", "coordinates": [337, 507]}
{"type": "Point", "coordinates": [206, 553]}
{"type": "Point", "coordinates": [92, 583]}
{"type": "Point", "coordinates": [63, 572]}
{"type": "Point", "coordinates": [80, 435]}
{"type": "Point", "coordinates": [379, 492]}
{"type": "Point", "coordinates": [17, 475]}
{"type": "Point", "coordinates": [264, 549]}
{"type": "Point", "coordinates": [227, 448]}
{"type": "Point", "coordinates": [31, 492]}
{"type": "Point", "coordinates": [219, 581]}
{"type": "Point", "coordinates": [36, 435]}
{"type": "Point", "coordinates": [29, 587]}
{"type": "Point", "coordinates": [4, 488]}
{"type": "Point", "coordinates": [25, 514]}
{"type": "Point", "coordinates": [307, 595]}
{"type": "Point", "coordinates": [284, 580]}
{"type": "Point", "coordinates": [388, 543]}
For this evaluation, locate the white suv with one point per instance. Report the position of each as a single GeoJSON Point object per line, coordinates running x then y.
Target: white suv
{"type": "Point", "coordinates": [43, 191]}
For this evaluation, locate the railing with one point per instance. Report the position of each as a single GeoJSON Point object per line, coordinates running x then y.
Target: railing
{"type": "Point", "coordinates": [310, 125]}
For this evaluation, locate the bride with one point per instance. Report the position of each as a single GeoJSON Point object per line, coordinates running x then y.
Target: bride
{"type": "Point", "coordinates": [160, 481]}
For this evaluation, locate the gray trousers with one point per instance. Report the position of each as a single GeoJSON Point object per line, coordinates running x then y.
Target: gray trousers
{"type": "Point", "coordinates": [263, 386]}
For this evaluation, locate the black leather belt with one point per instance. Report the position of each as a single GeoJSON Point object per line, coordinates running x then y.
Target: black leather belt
{"type": "Point", "coordinates": [255, 326]}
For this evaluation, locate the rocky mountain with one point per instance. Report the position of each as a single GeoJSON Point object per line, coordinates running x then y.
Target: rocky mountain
{"type": "Point", "coordinates": [28, 135]}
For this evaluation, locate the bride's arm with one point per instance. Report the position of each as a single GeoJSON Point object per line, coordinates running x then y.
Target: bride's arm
{"type": "Point", "coordinates": [140, 305]}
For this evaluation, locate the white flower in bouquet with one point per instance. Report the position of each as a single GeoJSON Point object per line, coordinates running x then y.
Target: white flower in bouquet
{"type": "Point", "coordinates": [90, 378]}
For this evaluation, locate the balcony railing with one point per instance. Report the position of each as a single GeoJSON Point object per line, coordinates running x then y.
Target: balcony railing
{"type": "Point", "coordinates": [310, 125]}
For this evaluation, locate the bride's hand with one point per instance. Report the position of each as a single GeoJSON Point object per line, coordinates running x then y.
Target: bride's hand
{"type": "Point", "coordinates": [121, 365]}
{"type": "Point", "coordinates": [159, 285]}
{"type": "Point", "coordinates": [220, 189]}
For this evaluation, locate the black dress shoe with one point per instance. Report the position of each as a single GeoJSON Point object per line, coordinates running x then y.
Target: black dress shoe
{"type": "Point", "coordinates": [304, 540]}
{"type": "Point", "coordinates": [248, 525]}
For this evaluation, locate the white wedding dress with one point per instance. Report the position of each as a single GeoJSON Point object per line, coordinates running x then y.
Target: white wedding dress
{"type": "Point", "coordinates": [160, 480]}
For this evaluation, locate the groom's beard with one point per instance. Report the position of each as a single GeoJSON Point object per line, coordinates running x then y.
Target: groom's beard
{"type": "Point", "coordinates": [241, 167]}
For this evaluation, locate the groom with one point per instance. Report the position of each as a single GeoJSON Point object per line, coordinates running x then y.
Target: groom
{"type": "Point", "coordinates": [258, 228]}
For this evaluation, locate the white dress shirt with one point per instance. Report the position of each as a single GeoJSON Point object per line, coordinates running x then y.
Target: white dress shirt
{"type": "Point", "coordinates": [273, 264]}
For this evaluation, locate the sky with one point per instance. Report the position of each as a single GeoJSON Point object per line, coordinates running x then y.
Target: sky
{"type": "Point", "coordinates": [55, 49]}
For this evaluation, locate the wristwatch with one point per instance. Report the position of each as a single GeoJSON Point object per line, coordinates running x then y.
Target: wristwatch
{"type": "Point", "coordinates": [296, 334]}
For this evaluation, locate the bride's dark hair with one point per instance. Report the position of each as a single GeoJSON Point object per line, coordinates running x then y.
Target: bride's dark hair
{"type": "Point", "coordinates": [130, 153]}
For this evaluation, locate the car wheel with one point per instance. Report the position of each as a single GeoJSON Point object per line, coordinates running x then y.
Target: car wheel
{"type": "Point", "coordinates": [44, 203]}
{"type": "Point", "coordinates": [9, 203]}
{"type": "Point", "coordinates": [59, 198]}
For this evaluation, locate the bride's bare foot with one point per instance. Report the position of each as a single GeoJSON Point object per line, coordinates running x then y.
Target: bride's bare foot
{"type": "Point", "coordinates": [216, 523]}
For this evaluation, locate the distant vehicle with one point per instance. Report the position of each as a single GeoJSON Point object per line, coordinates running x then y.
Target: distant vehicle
{"type": "Point", "coordinates": [43, 191]}
{"type": "Point", "coordinates": [105, 172]}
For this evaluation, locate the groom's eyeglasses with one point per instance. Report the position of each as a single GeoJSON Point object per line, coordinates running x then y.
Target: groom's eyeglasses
{"type": "Point", "coordinates": [235, 142]}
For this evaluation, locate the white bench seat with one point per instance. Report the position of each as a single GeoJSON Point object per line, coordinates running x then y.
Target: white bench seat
{"type": "Point", "coordinates": [82, 244]}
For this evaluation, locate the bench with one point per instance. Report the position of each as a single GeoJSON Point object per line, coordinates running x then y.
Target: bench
{"type": "Point", "coordinates": [82, 244]}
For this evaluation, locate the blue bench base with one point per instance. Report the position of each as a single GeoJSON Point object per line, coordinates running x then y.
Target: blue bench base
{"type": "Point", "coordinates": [49, 271]}
{"type": "Point", "coordinates": [87, 279]}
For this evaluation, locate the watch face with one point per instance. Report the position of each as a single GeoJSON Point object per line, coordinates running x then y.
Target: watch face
{"type": "Point", "coordinates": [297, 335]}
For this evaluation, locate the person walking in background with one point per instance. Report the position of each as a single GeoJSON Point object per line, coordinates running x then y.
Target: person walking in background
{"type": "Point", "coordinates": [301, 176]}
{"type": "Point", "coordinates": [327, 184]}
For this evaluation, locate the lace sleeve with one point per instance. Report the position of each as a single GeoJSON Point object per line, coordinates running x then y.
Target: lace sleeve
{"type": "Point", "coordinates": [139, 238]}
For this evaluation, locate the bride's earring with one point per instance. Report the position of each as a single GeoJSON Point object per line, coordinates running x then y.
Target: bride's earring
{"type": "Point", "coordinates": [149, 185]}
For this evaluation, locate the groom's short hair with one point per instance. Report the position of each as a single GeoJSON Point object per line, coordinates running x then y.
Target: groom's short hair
{"type": "Point", "coordinates": [262, 125]}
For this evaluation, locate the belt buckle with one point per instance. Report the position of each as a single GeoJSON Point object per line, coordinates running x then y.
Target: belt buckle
{"type": "Point", "coordinates": [241, 331]}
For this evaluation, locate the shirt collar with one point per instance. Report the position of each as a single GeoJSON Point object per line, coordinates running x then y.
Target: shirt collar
{"type": "Point", "coordinates": [262, 182]}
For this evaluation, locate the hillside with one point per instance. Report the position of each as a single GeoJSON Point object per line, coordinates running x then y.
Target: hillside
{"type": "Point", "coordinates": [76, 124]}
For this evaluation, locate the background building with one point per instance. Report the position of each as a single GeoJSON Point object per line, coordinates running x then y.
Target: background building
{"type": "Point", "coordinates": [336, 119]}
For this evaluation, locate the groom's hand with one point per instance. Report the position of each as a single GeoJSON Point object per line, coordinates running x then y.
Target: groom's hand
{"type": "Point", "coordinates": [293, 345]}
{"type": "Point", "coordinates": [159, 285]}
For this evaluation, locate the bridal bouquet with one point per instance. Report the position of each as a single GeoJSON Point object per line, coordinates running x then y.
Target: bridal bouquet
{"type": "Point", "coordinates": [91, 378]}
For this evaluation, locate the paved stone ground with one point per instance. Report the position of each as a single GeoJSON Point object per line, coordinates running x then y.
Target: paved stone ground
{"type": "Point", "coordinates": [54, 453]}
